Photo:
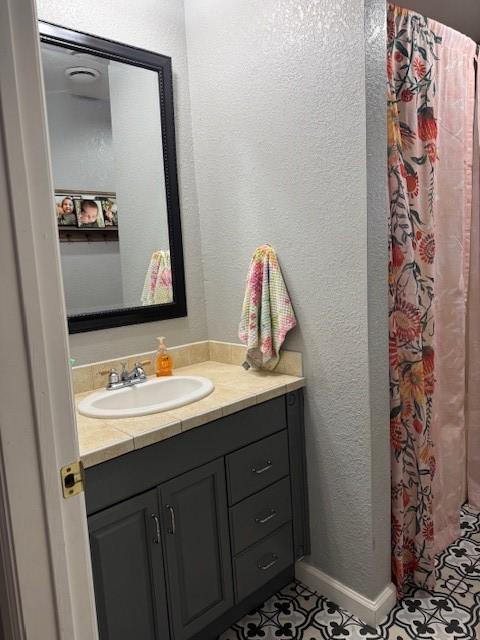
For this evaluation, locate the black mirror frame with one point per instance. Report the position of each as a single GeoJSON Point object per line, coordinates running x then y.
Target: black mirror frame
{"type": "Point", "coordinates": [78, 41]}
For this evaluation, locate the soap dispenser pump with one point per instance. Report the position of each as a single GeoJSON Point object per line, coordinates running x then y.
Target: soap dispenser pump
{"type": "Point", "coordinates": [163, 362]}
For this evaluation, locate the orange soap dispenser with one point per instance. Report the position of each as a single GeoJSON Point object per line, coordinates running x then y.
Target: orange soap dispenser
{"type": "Point", "coordinates": [163, 362]}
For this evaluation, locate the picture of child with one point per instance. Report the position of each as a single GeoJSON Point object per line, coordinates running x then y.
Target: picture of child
{"type": "Point", "coordinates": [110, 212]}
{"type": "Point", "coordinates": [89, 213]}
{"type": "Point", "coordinates": [66, 211]}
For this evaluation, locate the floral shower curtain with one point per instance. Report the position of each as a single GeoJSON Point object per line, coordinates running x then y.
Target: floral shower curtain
{"type": "Point", "coordinates": [412, 50]}
{"type": "Point", "coordinates": [431, 100]}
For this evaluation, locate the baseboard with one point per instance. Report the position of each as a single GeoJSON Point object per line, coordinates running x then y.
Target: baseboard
{"type": "Point", "coordinates": [370, 611]}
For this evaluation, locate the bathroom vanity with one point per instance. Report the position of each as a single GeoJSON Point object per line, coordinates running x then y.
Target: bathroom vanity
{"type": "Point", "coordinates": [189, 534]}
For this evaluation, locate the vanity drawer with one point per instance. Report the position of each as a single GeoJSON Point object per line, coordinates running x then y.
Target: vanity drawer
{"type": "Point", "coordinates": [257, 516]}
{"type": "Point", "coordinates": [257, 466]}
{"type": "Point", "coordinates": [262, 562]}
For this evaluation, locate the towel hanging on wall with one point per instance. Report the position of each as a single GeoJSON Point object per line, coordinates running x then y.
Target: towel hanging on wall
{"type": "Point", "coordinates": [267, 313]}
{"type": "Point", "coordinates": [158, 280]}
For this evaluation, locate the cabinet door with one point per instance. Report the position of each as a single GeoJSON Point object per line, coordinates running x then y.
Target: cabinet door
{"type": "Point", "coordinates": [127, 562]}
{"type": "Point", "coordinates": [198, 562]}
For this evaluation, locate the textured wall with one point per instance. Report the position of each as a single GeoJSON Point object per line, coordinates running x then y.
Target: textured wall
{"type": "Point", "coordinates": [279, 108]}
{"type": "Point", "coordinates": [91, 274]}
{"type": "Point", "coordinates": [377, 261]}
{"type": "Point", "coordinates": [80, 161]}
{"type": "Point", "coordinates": [157, 25]}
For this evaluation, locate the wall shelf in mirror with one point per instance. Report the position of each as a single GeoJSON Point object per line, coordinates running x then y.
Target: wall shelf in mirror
{"type": "Point", "coordinates": [69, 205]}
{"type": "Point", "coordinates": [122, 148]}
{"type": "Point", "coordinates": [77, 234]}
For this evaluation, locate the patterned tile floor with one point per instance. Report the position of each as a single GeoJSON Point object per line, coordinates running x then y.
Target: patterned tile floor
{"type": "Point", "coordinates": [450, 612]}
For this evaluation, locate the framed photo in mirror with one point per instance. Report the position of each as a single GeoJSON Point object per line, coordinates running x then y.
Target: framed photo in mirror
{"type": "Point", "coordinates": [66, 210]}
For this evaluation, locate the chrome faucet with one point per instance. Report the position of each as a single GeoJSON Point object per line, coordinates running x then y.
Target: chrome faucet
{"type": "Point", "coordinates": [126, 378]}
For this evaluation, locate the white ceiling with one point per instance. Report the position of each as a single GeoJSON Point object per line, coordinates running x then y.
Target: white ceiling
{"type": "Point", "coordinates": [56, 59]}
{"type": "Point", "coordinates": [463, 15]}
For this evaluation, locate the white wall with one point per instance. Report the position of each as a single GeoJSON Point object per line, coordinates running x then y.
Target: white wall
{"type": "Point", "coordinates": [80, 160]}
{"type": "Point", "coordinates": [377, 261]}
{"type": "Point", "coordinates": [157, 25]}
{"type": "Point", "coordinates": [139, 173]}
{"type": "Point", "coordinates": [279, 110]}
{"type": "Point", "coordinates": [91, 272]}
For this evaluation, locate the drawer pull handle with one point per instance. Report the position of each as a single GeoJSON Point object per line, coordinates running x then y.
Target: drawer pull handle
{"type": "Point", "coordinates": [172, 527]}
{"type": "Point", "coordinates": [267, 466]}
{"type": "Point", "coordinates": [156, 519]}
{"type": "Point", "coordinates": [269, 565]}
{"type": "Point", "coordinates": [265, 519]}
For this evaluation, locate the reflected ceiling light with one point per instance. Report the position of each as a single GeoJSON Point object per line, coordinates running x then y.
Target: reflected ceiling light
{"type": "Point", "coordinates": [83, 75]}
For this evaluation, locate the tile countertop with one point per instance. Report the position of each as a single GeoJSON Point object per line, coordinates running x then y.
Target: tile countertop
{"type": "Point", "coordinates": [235, 389]}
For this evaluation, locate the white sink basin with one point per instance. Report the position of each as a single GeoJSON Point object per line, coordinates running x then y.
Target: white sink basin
{"type": "Point", "coordinates": [152, 396]}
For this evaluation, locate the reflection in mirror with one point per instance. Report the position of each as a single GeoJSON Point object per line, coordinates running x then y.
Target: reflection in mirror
{"type": "Point", "coordinates": [108, 172]}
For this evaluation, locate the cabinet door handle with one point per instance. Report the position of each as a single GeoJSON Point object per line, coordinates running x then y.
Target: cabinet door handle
{"type": "Point", "coordinates": [269, 565]}
{"type": "Point", "coordinates": [156, 519]}
{"type": "Point", "coordinates": [268, 465]}
{"type": "Point", "coordinates": [172, 528]}
{"type": "Point", "coordinates": [265, 519]}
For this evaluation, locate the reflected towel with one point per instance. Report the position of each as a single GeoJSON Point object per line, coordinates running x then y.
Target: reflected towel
{"type": "Point", "coordinates": [158, 281]}
{"type": "Point", "coordinates": [267, 314]}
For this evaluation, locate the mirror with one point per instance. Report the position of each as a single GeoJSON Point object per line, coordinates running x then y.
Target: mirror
{"type": "Point", "coordinates": [112, 143]}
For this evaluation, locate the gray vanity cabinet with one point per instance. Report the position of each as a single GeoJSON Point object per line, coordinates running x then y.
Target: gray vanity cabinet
{"type": "Point", "coordinates": [191, 533]}
{"type": "Point", "coordinates": [196, 539]}
{"type": "Point", "coordinates": [127, 563]}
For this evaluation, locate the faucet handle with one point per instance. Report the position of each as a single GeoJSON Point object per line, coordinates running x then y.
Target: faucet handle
{"type": "Point", "coordinates": [139, 370]}
{"type": "Point", "coordinates": [124, 372]}
{"type": "Point", "coordinates": [107, 372]}
{"type": "Point", "coordinates": [113, 377]}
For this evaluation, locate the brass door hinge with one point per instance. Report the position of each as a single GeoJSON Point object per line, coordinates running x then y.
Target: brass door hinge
{"type": "Point", "coordinates": [73, 479]}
